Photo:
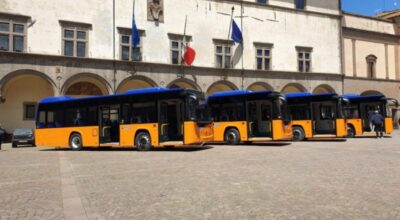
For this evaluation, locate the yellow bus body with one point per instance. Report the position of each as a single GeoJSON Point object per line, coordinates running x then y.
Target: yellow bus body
{"type": "Point", "coordinates": [59, 137]}
{"type": "Point", "coordinates": [280, 132]}
{"type": "Point", "coordinates": [357, 124]}
{"type": "Point", "coordinates": [308, 127]}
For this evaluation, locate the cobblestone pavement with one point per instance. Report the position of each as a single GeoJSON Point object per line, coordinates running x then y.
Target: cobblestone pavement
{"type": "Point", "coordinates": [356, 179]}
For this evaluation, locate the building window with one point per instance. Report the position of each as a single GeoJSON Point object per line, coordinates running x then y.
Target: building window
{"type": "Point", "coordinates": [176, 51]}
{"type": "Point", "coordinates": [300, 4]}
{"type": "Point", "coordinates": [12, 34]}
{"type": "Point", "coordinates": [263, 57]}
{"type": "Point", "coordinates": [127, 51]}
{"type": "Point", "coordinates": [371, 66]}
{"type": "Point", "coordinates": [262, 1]}
{"type": "Point", "coordinates": [75, 38]}
{"type": "Point", "coordinates": [176, 47]}
{"type": "Point", "coordinates": [304, 59]}
{"type": "Point", "coordinates": [29, 110]}
{"type": "Point", "coordinates": [223, 55]}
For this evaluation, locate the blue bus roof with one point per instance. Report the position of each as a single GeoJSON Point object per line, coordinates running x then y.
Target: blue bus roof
{"type": "Point", "coordinates": [154, 90]}
{"type": "Point", "coordinates": [238, 93]}
{"type": "Point", "coordinates": [361, 97]}
{"type": "Point", "coordinates": [307, 94]}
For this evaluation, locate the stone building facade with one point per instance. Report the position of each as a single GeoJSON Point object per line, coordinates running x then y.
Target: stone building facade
{"type": "Point", "coordinates": [80, 48]}
{"type": "Point", "coordinates": [371, 55]}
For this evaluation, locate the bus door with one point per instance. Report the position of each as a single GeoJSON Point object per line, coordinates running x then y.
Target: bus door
{"type": "Point", "coordinates": [259, 117]}
{"type": "Point", "coordinates": [324, 115]}
{"type": "Point", "coordinates": [109, 124]}
{"type": "Point", "coordinates": [367, 110]}
{"type": "Point", "coordinates": [171, 115]}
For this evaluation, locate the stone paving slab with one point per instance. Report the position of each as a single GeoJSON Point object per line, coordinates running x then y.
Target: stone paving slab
{"type": "Point", "coordinates": [355, 179]}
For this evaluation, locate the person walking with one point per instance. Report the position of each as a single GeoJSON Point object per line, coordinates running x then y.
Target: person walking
{"type": "Point", "coordinates": [2, 135]}
{"type": "Point", "coordinates": [377, 120]}
{"type": "Point", "coordinates": [371, 124]}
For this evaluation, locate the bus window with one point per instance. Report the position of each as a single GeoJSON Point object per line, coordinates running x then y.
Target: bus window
{"type": "Point", "coordinates": [351, 112]}
{"type": "Point", "coordinates": [125, 114]}
{"type": "Point", "coordinates": [144, 113]}
{"type": "Point", "coordinates": [232, 112]}
{"type": "Point", "coordinates": [326, 112]}
{"type": "Point", "coordinates": [42, 120]}
{"type": "Point", "coordinates": [300, 112]}
{"type": "Point", "coordinates": [54, 119]}
{"type": "Point", "coordinates": [92, 118]}
{"type": "Point", "coordinates": [75, 117]}
{"type": "Point", "coordinates": [214, 112]}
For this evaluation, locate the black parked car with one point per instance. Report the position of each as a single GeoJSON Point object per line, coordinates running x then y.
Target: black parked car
{"type": "Point", "coordinates": [23, 136]}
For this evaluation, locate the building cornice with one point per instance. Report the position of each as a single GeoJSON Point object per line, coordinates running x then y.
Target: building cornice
{"type": "Point", "coordinates": [129, 65]}
{"type": "Point", "coordinates": [372, 80]}
{"type": "Point", "coordinates": [371, 36]}
{"type": "Point", "coordinates": [281, 8]}
{"type": "Point", "coordinates": [345, 13]}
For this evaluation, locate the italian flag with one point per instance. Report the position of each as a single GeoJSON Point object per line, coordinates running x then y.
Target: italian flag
{"type": "Point", "coordinates": [188, 53]}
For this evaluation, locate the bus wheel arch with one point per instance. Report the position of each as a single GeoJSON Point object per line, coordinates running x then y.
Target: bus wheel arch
{"type": "Point", "coordinates": [351, 131]}
{"type": "Point", "coordinates": [298, 133]}
{"type": "Point", "coordinates": [142, 140]}
{"type": "Point", "coordinates": [75, 141]}
{"type": "Point", "coordinates": [232, 136]}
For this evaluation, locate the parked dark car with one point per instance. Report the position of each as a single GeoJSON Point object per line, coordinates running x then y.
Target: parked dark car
{"type": "Point", "coordinates": [23, 136]}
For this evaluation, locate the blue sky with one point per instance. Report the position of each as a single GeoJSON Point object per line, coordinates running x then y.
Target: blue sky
{"type": "Point", "coordinates": [369, 7]}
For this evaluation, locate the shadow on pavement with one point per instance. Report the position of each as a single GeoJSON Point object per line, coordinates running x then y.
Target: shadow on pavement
{"type": "Point", "coordinates": [370, 137]}
{"type": "Point", "coordinates": [120, 149]}
{"type": "Point", "coordinates": [257, 144]}
{"type": "Point", "coordinates": [328, 140]}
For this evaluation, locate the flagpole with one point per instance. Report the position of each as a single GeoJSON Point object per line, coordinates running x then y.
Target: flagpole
{"type": "Point", "coordinates": [183, 50]}
{"type": "Point", "coordinates": [230, 23]}
{"type": "Point", "coordinates": [241, 27]}
{"type": "Point", "coordinates": [114, 64]}
{"type": "Point", "coordinates": [133, 17]}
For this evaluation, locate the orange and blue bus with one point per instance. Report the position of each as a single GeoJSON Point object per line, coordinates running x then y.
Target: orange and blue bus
{"type": "Point", "coordinates": [317, 115]}
{"type": "Point", "coordinates": [245, 116]}
{"type": "Point", "coordinates": [142, 118]}
{"type": "Point", "coordinates": [360, 109]}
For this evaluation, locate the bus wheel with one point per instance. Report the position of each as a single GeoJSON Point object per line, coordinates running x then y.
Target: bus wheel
{"type": "Point", "coordinates": [298, 134]}
{"type": "Point", "coordinates": [232, 136]}
{"type": "Point", "coordinates": [75, 142]}
{"type": "Point", "coordinates": [350, 132]}
{"type": "Point", "coordinates": [143, 141]}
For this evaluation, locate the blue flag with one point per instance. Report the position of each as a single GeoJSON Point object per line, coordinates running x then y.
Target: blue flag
{"type": "Point", "coordinates": [135, 33]}
{"type": "Point", "coordinates": [236, 33]}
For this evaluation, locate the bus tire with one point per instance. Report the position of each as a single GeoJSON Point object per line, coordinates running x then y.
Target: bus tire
{"type": "Point", "coordinates": [298, 134]}
{"type": "Point", "coordinates": [143, 141]}
{"type": "Point", "coordinates": [232, 136]}
{"type": "Point", "coordinates": [75, 142]}
{"type": "Point", "coordinates": [351, 133]}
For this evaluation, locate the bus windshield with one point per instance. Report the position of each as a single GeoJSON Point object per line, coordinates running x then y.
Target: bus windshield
{"type": "Point", "coordinates": [197, 109]}
{"type": "Point", "coordinates": [284, 110]}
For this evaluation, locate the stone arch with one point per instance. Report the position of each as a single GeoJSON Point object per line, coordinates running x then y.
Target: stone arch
{"type": "Point", "coordinates": [86, 84]}
{"type": "Point", "coordinates": [12, 75]}
{"type": "Point", "coordinates": [258, 86]}
{"type": "Point", "coordinates": [324, 88]}
{"type": "Point", "coordinates": [371, 92]}
{"type": "Point", "coordinates": [184, 84]}
{"type": "Point", "coordinates": [293, 87]}
{"type": "Point", "coordinates": [221, 86]}
{"type": "Point", "coordinates": [135, 82]}
{"type": "Point", "coordinates": [21, 91]}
